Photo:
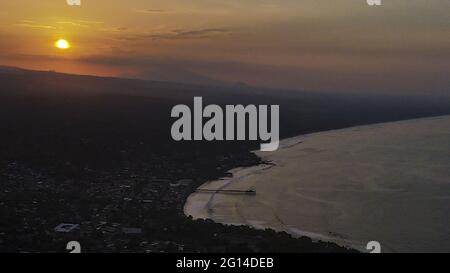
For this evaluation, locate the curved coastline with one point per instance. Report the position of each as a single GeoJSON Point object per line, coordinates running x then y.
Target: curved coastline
{"type": "Point", "coordinates": [199, 205]}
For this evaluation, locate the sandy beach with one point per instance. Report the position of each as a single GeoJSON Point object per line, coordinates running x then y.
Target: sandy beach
{"type": "Point", "coordinates": [387, 182]}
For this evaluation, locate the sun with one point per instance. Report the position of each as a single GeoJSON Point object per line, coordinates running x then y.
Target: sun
{"type": "Point", "coordinates": [62, 44]}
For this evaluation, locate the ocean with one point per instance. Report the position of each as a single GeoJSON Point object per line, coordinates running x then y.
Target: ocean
{"type": "Point", "coordinates": [387, 182]}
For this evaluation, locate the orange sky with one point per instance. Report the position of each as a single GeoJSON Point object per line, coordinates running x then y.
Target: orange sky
{"type": "Point", "coordinates": [401, 47]}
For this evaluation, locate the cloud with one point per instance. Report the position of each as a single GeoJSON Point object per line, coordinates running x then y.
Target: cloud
{"type": "Point", "coordinates": [32, 24]}
{"type": "Point", "coordinates": [200, 33]}
{"type": "Point", "coordinates": [59, 24]}
{"type": "Point", "coordinates": [149, 11]}
{"type": "Point", "coordinates": [179, 34]}
{"type": "Point", "coordinates": [74, 24]}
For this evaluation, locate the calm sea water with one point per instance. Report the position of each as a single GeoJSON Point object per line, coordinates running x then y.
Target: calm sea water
{"type": "Point", "coordinates": [386, 182]}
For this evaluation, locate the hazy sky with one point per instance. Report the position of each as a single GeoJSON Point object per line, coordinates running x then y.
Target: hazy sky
{"type": "Point", "coordinates": [346, 45]}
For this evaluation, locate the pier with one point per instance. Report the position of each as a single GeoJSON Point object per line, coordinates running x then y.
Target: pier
{"type": "Point", "coordinates": [247, 192]}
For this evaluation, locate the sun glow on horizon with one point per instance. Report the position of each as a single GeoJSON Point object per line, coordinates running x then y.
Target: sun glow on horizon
{"type": "Point", "coordinates": [62, 44]}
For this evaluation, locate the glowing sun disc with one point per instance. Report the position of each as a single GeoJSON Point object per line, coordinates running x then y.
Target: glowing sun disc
{"type": "Point", "coordinates": [62, 44]}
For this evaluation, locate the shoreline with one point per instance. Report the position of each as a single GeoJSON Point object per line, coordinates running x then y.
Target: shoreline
{"type": "Point", "coordinates": [202, 209]}
{"type": "Point", "coordinates": [243, 172]}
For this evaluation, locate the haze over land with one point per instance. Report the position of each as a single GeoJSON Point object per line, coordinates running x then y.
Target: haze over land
{"type": "Point", "coordinates": [84, 149]}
